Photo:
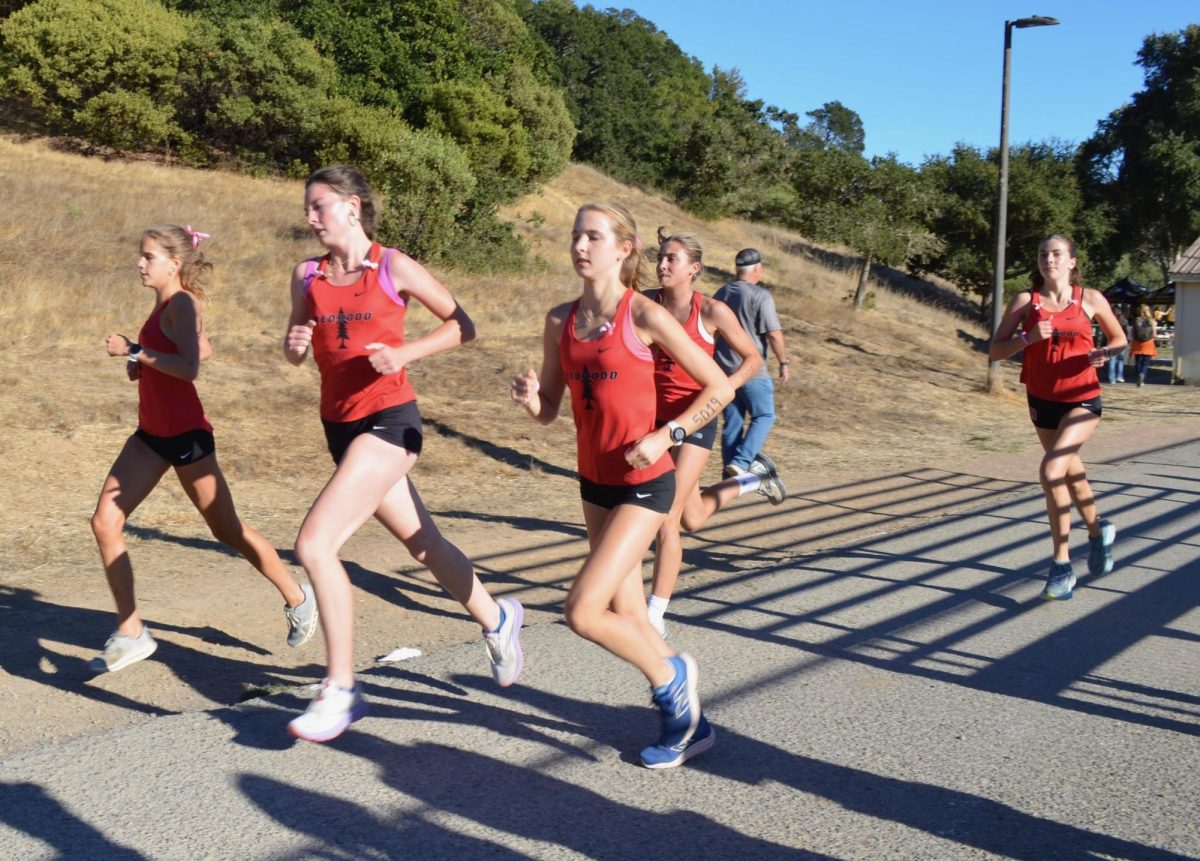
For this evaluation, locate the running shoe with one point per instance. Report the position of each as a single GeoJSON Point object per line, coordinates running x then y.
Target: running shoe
{"type": "Point", "coordinates": [732, 470]}
{"type": "Point", "coordinates": [678, 704]}
{"type": "Point", "coordinates": [1059, 582]}
{"type": "Point", "coordinates": [331, 711]}
{"type": "Point", "coordinates": [657, 756]}
{"type": "Point", "coordinates": [770, 486]}
{"type": "Point", "coordinates": [504, 644]}
{"type": "Point", "coordinates": [302, 619]}
{"type": "Point", "coordinates": [121, 651]}
{"type": "Point", "coordinates": [763, 465]}
{"type": "Point", "coordinates": [1100, 558]}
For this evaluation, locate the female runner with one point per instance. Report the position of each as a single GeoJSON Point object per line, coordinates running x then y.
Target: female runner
{"type": "Point", "coordinates": [1052, 323]}
{"type": "Point", "coordinates": [348, 307]}
{"type": "Point", "coordinates": [598, 346]}
{"type": "Point", "coordinates": [173, 432]}
{"type": "Point", "coordinates": [680, 262]}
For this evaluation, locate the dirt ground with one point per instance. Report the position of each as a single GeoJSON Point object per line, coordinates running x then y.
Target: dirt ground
{"type": "Point", "coordinates": [506, 496]}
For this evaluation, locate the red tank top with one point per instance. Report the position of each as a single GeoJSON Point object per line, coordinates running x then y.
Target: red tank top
{"type": "Point", "coordinates": [611, 379]}
{"type": "Point", "coordinates": [1057, 369]}
{"type": "Point", "coordinates": [348, 318]}
{"type": "Point", "coordinates": [167, 406]}
{"type": "Point", "coordinates": [675, 389]}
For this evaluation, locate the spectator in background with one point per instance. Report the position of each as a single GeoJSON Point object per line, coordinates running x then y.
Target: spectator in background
{"type": "Point", "coordinates": [1144, 349]}
{"type": "Point", "coordinates": [742, 442]}
{"type": "Point", "coordinates": [1116, 360]}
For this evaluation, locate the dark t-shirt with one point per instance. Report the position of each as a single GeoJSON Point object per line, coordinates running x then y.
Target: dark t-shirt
{"type": "Point", "coordinates": [755, 310]}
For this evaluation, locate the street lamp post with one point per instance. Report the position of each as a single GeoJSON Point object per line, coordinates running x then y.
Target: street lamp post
{"type": "Point", "coordinates": [1002, 203]}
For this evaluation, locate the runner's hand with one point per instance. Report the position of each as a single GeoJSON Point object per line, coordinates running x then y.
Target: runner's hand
{"type": "Point", "coordinates": [1044, 330]}
{"type": "Point", "coordinates": [646, 451]}
{"type": "Point", "coordinates": [386, 360]}
{"type": "Point", "coordinates": [525, 387]}
{"type": "Point", "coordinates": [299, 338]}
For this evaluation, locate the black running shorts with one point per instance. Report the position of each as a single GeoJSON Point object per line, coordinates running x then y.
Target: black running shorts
{"type": "Point", "coordinates": [657, 494]}
{"type": "Point", "coordinates": [1048, 415]}
{"type": "Point", "coordinates": [401, 426]}
{"type": "Point", "coordinates": [183, 449]}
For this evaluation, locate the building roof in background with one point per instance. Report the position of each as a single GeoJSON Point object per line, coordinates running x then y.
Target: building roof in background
{"type": "Point", "coordinates": [1187, 265]}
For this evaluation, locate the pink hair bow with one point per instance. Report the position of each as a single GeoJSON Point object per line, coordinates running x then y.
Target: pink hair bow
{"type": "Point", "coordinates": [197, 236]}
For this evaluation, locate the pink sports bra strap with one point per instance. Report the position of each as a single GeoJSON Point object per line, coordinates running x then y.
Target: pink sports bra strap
{"type": "Point", "coordinates": [385, 278]}
{"type": "Point", "coordinates": [312, 270]}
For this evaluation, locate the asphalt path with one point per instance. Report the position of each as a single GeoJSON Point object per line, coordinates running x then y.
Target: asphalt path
{"type": "Point", "coordinates": [884, 680]}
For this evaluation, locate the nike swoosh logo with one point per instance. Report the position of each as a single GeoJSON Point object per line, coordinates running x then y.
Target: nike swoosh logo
{"type": "Point", "coordinates": [642, 495]}
{"type": "Point", "coordinates": [378, 427]}
{"type": "Point", "coordinates": [185, 455]}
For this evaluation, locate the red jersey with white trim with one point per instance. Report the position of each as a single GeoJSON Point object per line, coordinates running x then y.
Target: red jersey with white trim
{"type": "Point", "coordinates": [167, 406]}
{"type": "Point", "coordinates": [611, 379]}
{"type": "Point", "coordinates": [348, 318]}
{"type": "Point", "coordinates": [674, 387]}
{"type": "Point", "coordinates": [1057, 369]}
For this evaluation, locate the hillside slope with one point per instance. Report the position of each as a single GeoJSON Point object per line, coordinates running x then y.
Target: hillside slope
{"type": "Point", "coordinates": [884, 389]}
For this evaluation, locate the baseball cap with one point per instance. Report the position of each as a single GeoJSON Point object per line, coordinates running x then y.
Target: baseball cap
{"type": "Point", "coordinates": [748, 257]}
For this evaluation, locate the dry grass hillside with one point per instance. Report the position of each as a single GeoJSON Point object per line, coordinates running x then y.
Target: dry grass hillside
{"type": "Point", "coordinates": [895, 386]}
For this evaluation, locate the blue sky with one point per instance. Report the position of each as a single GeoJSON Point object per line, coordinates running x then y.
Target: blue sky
{"type": "Point", "coordinates": [926, 74]}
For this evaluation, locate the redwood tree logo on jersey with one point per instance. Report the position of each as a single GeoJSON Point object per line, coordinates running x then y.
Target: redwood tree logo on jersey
{"type": "Point", "coordinates": [342, 319]}
{"type": "Point", "coordinates": [587, 380]}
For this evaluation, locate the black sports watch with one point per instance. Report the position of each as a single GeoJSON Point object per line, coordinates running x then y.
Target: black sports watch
{"type": "Point", "coordinates": [134, 350]}
{"type": "Point", "coordinates": [678, 433]}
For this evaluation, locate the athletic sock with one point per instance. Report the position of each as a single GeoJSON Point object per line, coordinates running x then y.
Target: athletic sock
{"type": "Point", "coordinates": [499, 624]}
{"type": "Point", "coordinates": [748, 482]}
{"type": "Point", "coordinates": [658, 606]}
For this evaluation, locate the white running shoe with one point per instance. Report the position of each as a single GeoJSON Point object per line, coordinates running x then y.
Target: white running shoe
{"type": "Point", "coordinates": [120, 651]}
{"type": "Point", "coordinates": [302, 619]}
{"type": "Point", "coordinates": [504, 644]}
{"type": "Point", "coordinates": [332, 710]}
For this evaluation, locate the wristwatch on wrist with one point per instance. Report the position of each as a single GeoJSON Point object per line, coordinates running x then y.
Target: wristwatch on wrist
{"type": "Point", "coordinates": [678, 433]}
{"type": "Point", "coordinates": [134, 350]}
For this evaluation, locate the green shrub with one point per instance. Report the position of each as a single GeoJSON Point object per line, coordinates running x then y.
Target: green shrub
{"type": "Point", "coordinates": [256, 89]}
{"type": "Point", "coordinates": [126, 120]}
{"type": "Point", "coordinates": [424, 179]}
{"type": "Point", "coordinates": [57, 56]}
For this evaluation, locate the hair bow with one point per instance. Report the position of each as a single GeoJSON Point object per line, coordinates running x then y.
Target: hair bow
{"type": "Point", "coordinates": [197, 236]}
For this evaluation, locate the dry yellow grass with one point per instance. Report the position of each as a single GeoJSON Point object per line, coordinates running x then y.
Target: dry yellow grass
{"type": "Point", "coordinates": [889, 388]}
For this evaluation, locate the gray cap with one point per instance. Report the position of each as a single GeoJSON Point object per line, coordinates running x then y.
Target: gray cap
{"type": "Point", "coordinates": [747, 257]}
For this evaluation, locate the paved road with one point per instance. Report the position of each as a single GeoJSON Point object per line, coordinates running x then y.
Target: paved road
{"type": "Point", "coordinates": [884, 680]}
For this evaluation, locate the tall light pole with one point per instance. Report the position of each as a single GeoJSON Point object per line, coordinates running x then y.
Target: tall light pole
{"type": "Point", "coordinates": [1002, 204]}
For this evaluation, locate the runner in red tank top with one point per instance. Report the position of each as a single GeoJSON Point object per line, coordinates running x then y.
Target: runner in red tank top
{"type": "Point", "coordinates": [349, 311]}
{"type": "Point", "coordinates": [598, 347]}
{"type": "Point", "coordinates": [680, 262]}
{"type": "Point", "coordinates": [173, 432]}
{"type": "Point", "coordinates": [1052, 323]}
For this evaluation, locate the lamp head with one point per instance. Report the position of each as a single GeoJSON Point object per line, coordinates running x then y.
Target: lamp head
{"type": "Point", "coordinates": [1035, 21]}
